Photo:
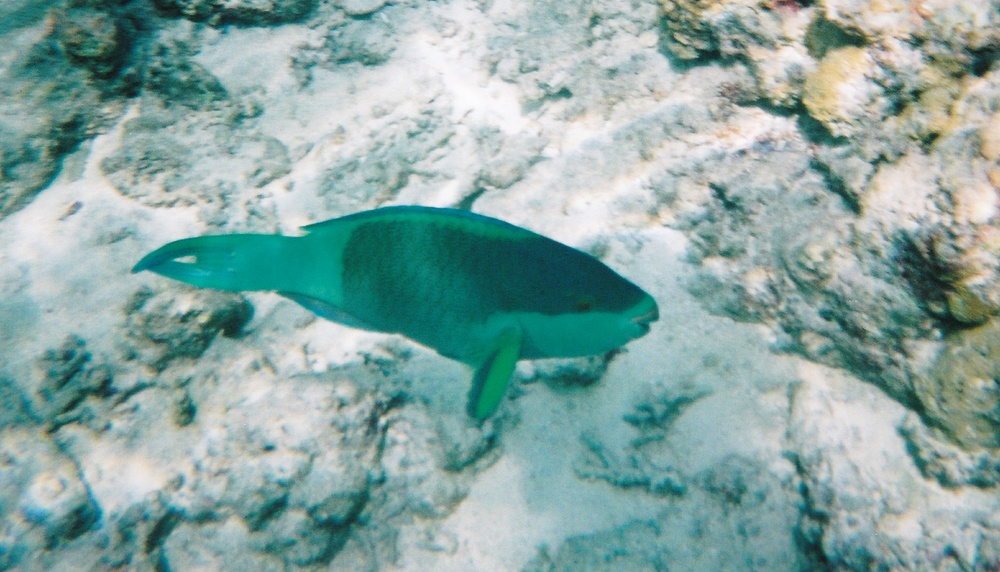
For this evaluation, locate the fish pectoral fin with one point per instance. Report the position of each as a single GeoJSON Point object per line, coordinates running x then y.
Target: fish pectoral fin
{"type": "Point", "coordinates": [489, 383]}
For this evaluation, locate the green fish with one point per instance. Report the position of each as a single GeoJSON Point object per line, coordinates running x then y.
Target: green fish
{"type": "Point", "coordinates": [475, 289]}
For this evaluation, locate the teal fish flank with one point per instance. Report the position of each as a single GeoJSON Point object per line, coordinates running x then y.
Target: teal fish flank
{"type": "Point", "coordinates": [473, 288]}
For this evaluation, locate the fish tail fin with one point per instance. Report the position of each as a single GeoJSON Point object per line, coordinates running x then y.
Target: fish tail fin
{"type": "Point", "coordinates": [231, 262]}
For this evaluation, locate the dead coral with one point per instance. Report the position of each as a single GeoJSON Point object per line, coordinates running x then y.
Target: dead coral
{"type": "Point", "coordinates": [961, 395]}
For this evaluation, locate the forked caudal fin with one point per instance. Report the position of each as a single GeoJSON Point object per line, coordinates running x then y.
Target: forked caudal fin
{"type": "Point", "coordinates": [226, 262]}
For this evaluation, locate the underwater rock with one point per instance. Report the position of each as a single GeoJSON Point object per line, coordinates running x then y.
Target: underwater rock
{"type": "Point", "coordinates": [864, 292]}
{"type": "Point", "coordinates": [69, 378]}
{"type": "Point", "coordinates": [770, 36]}
{"type": "Point", "coordinates": [361, 7]}
{"type": "Point", "coordinates": [848, 174]}
{"type": "Point", "coordinates": [865, 503]}
{"type": "Point", "coordinates": [99, 40]}
{"type": "Point", "coordinates": [43, 502]}
{"type": "Point", "coordinates": [15, 406]}
{"type": "Point", "coordinates": [463, 447]}
{"type": "Point", "coordinates": [958, 32]}
{"type": "Point", "coordinates": [155, 164]}
{"type": "Point", "coordinates": [887, 74]}
{"type": "Point", "coordinates": [688, 33]}
{"type": "Point", "coordinates": [773, 244]}
{"type": "Point", "coordinates": [137, 533]}
{"type": "Point", "coordinates": [332, 495]}
{"type": "Point", "coordinates": [245, 12]}
{"type": "Point", "coordinates": [961, 394]}
{"type": "Point", "coordinates": [781, 74]}
{"type": "Point", "coordinates": [632, 470]}
{"type": "Point", "coordinates": [961, 246]}
{"type": "Point", "coordinates": [379, 171]}
{"type": "Point", "coordinates": [364, 40]}
{"type": "Point", "coordinates": [506, 158]}
{"type": "Point", "coordinates": [172, 74]}
{"type": "Point", "coordinates": [149, 166]}
{"type": "Point", "coordinates": [843, 92]}
{"type": "Point", "coordinates": [57, 92]}
{"type": "Point", "coordinates": [428, 463]}
{"type": "Point", "coordinates": [47, 107]}
{"type": "Point", "coordinates": [869, 291]}
{"type": "Point", "coordinates": [645, 464]}
{"type": "Point", "coordinates": [989, 137]}
{"type": "Point", "coordinates": [270, 483]}
{"type": "Point", "coordinates": [307, 471]}
{"type": "Point", "coordinates": [58, 502]}
{"type": "Point", "coordinates": [875, 20]}
{"type": "Point", "coordinates": [566, 373]}
{"type": "Point", "coordinates": [61, 365]}
{"type": "Point", "coordinates": [164, 326]}
{"type": "Point", "coordinates": [897, 97]}
{"type": "Point", "coordinates": [368, 42]}
{"type": "Point", "coordinates": [569, 59]}
{"type": "Point", "coordinates": [940, 459]}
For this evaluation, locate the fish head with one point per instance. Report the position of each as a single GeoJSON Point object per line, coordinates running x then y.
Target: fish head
{"type": "Point", "coordinates": [591, 324]}
{"type": "Point", "coordinates": [640, 317]}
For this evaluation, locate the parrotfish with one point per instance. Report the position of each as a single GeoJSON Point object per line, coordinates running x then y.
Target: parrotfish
{"type": "Point", "coordinates": [473, 288]}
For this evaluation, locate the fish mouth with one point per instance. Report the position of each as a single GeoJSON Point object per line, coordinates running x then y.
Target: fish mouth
{"type": "Point", "coordinates": [644, 320]}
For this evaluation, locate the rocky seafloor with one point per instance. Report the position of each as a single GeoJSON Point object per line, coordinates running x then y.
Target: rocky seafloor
{"type": "Point", "coordinates": [810, 190]}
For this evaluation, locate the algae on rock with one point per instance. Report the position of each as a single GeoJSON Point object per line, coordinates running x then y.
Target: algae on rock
{"type": "Point", "coordinates": [688, 34]}
{"type": "Point", "coordinates": [961, 395]}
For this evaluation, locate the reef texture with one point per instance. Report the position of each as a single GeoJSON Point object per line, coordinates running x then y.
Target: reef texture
{"type": "Point", "coordinates": [286, 479]}
{"type": "Point", "coordinates": [824, 172]}
{"type": "Point", "coordinates": [58, 90]}
{"type": "Point", "coordinates": [905, 97]}
{"type": "Point", "coordinates": [246, 12]}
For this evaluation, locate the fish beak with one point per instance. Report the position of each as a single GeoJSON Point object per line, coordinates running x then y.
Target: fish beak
{"type": "Point", "coordinates": [646, 319]}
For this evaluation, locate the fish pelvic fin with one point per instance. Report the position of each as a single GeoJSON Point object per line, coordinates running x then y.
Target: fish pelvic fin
{"type": "Point", "coordinates": [489, 383]}
{"type": "Point", "coordinates": [233, 262]}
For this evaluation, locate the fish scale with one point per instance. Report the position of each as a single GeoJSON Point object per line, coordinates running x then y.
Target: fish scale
{"type": "Point", "coordinates": [399, 276]}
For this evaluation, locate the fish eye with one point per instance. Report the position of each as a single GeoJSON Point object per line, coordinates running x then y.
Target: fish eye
{"type": "Point", "coordinates": [585, 304]}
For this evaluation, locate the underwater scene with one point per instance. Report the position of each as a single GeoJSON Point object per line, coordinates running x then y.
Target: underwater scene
{"type": "Point", "coordinates": [491, 285]}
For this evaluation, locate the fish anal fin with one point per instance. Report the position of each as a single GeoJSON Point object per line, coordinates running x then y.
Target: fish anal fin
{"type": "Point", "coordinates": [326, 310]}
{"type": "Point", "coordinates": [489, 383]}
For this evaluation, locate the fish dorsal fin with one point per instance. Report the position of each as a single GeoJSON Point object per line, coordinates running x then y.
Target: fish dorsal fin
{"type": "Point", "coordinates": [490, 381]}
{"type": "Point", "coordinates": [327, 310]}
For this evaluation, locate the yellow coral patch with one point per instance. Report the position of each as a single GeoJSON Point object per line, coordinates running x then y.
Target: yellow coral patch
{"type": "Point", "coordinates": [835, 85]}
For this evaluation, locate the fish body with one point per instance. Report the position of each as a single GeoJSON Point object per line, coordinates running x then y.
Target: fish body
{"type": "Point", "coordinates": [473, 288]}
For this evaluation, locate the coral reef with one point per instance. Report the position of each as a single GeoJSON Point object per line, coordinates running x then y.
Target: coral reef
{"type": "Point", "coordinates": [844, 89]}
{"type": "Point", "coordinates": [245, 12]}
{"type": "Point", "coordinates": [960, 394]}
{"type": "Point", "coordinates": [908, 144]}
{"type": "Point", "coordinates": [56, 93]}
{"type": "Point", "coordinates": [811, 190]}
{"type": "Point", "coordinates": [165, 326]}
